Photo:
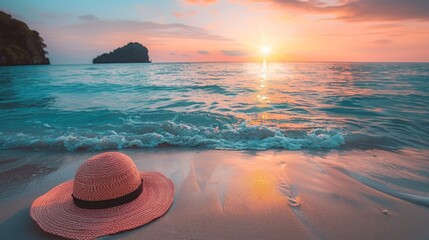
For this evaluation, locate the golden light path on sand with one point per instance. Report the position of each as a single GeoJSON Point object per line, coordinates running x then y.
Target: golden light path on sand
{"type": "Point", "coordinates": [255, 194]}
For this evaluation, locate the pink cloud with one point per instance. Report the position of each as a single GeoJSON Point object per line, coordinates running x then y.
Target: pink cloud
{"type": "Point", "coordinates": [234, 53]}
{"type": "Point", "coordinates": [184, 14]}
{"type": "Point", "coordinates": [361, 10]}
{"type": "Point", "coordinates": [84, 40]}
{"type": "Point", "coordinates": [201, 2]}
{"type": "Point", "coordinates": [88, 17]}
{"type": "Point", "coordinates": [108, 27]}
{"type": "Point", "coordinates": [382, 41]}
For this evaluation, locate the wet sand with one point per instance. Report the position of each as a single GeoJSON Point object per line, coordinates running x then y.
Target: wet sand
{"type": "Point", "coordinates": [369, 194]}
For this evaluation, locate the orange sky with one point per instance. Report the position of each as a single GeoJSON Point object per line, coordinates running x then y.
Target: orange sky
{"type": "Point", "coordinates": [233, 30]}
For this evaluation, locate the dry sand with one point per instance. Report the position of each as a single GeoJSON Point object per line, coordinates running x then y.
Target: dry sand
{"type": "Point", "coordinates": [370, 194]}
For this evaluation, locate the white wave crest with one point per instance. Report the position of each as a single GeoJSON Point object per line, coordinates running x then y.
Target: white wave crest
{"type": "Point", "coordinates": [152, 134]}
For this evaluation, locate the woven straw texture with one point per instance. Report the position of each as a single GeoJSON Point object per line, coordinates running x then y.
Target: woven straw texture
{"type": "Point", "coordinates": [106, 176]}
{"type": "Point", "coordinates": [56, 213]}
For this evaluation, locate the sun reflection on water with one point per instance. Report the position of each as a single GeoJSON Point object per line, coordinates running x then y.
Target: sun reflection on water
{"type": "Point", "coordinates": [262, 96]}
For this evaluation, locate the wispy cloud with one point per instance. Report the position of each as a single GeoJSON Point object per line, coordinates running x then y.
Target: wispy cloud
{"type": "Point", "coordinates": [362, 10]}
{"type": "Point", "coordinates": [146, 28]}
{"type": "Point", "coordinates": [385, 10]}
{"type": "Point", "coordinates": [384, 26]}
{"type": "Point", "coordinates": [55, 16]}
{"type": "Point", "coordinates": [88, 17]}
{"type": "Point", "coordinates": [234, 53]}
{"type": "Point", "coordinates": [382, 41]}
{"type": "Point", "coordinates": [203, 52]}
{"type": "Point", "coordinates": [184, 14]}
{"type": "Point", "coordinates": [201, 2]}
{"type": "Point", "coordinates": [87, 39]}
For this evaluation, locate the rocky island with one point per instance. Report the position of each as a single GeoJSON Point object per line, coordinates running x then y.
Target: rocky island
{"type": "Point", "coordinates": [19, 45]}
{"type": "Point", "coordinates": [130, 53]}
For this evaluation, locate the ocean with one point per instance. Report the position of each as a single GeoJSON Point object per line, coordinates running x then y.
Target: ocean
{"type": "Point", "coordinates": [238, 106]}
{"type": "Point", "coordinates": [278, 149]}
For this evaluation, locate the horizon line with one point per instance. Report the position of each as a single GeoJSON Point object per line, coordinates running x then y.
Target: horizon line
{"type": "Point", "coordinates": [226, 61]}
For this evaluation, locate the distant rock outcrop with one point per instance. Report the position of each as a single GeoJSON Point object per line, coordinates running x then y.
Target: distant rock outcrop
{"type": "Point", "coordinates": [130, 53]}
{"type": "Point", "coordinates": [19, 45]}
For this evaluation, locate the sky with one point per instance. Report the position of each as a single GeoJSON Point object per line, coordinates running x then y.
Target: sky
{"type": "Point", "coordinates": [231, 30]}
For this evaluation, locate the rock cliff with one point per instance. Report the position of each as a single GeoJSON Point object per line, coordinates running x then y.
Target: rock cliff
{"type": "Point", "coordinates": [130, 53]}
{"type": "Point", "coordinates": [19, 45]}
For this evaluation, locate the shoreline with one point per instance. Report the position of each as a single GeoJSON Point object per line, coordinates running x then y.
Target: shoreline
{"type": "Point", "coordinates": [274, 194]}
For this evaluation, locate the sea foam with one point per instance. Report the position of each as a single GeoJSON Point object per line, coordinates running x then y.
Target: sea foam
{"type": "Point", "coordinates": [158, 134]}
{"type": "Point", "coordinates": [216, 106]}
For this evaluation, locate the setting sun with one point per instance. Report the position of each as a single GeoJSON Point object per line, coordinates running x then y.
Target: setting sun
{"type": "Point", "coordinates": [265, 50]}
{"type": "Point", "coordinates": [267, 119]}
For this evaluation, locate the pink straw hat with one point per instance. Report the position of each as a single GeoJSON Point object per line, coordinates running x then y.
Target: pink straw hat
{"type": "Point", "coordinates": [108, 195]}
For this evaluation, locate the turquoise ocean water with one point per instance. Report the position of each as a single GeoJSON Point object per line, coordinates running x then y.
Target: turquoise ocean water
{"type": "Point", "coordinates": [216, 106]}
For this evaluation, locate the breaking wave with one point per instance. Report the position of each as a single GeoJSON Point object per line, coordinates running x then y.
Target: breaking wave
{"type": "Point", "coordinates": [168, 133]}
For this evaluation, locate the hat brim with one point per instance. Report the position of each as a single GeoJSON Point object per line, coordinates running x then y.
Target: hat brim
{"type": "Point", "coordinates": [56, 213]}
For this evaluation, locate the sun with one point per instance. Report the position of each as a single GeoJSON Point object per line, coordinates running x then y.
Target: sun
{"type": "Point", "coordinates": [265, 50]}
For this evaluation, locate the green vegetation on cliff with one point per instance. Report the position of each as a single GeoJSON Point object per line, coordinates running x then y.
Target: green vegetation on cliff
{"type": "Point", "coordinates": [19, 45]}
{"type": "Point", "coordinates": [130, 53]}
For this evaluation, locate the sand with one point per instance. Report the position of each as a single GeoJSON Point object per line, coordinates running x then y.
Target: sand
{"type": "Point", "coordinates": [370, 194]}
